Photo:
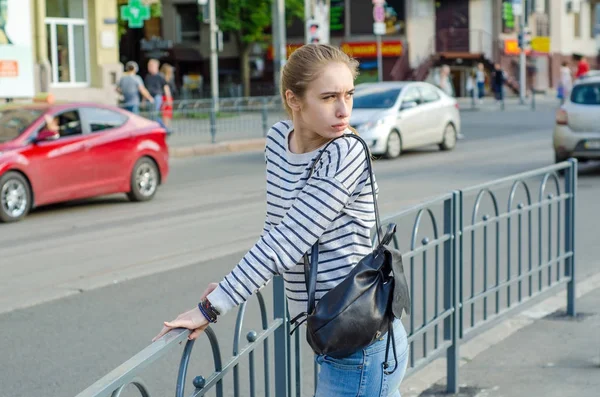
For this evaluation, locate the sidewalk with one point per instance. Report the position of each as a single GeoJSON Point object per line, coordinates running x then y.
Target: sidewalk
{"type": "Point", "coordinates": [511, 103]}
{"type": "Point", "coordinates": [555, 356]}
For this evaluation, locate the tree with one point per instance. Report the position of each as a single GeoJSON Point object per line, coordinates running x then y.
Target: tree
{"type": "Point", "coordinates": [247, 22]}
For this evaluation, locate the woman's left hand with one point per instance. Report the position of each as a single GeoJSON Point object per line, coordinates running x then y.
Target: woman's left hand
{"type": "Point", "coordinates": [193, 320]}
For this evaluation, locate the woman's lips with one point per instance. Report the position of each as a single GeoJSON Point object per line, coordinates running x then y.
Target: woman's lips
{"type": "Point", "coordinates": [340, 127]}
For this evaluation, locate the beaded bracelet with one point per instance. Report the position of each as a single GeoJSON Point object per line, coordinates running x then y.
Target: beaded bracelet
{"type": "Point", "coordinates": [207, 309]}
{"type": "Point", "coordinates": [205, 314]}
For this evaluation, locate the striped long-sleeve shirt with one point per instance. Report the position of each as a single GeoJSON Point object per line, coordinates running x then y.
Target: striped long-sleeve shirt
{"type": "Point", "coordinates": [334, 206]}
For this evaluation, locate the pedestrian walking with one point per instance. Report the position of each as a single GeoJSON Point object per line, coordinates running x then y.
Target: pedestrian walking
{"type": "Point", "coordinates": [499, 80]}
{"type": "Point", "coordinates": [566, 82]}
{"type": "Point", "coordinates": [470, 84]}
{"type": "Point", "coordinates": [321, 199]}
{"type": "Point", "coordinates": [158, 87]}
{"type": "Point", "coordinates": [166, 71]}
{"type": "Point", "coordinates": [443, 80]}
{"type": "Point", "coordinates": [130, 87]}
{"type": "Point", "coordinates": [480, 77]}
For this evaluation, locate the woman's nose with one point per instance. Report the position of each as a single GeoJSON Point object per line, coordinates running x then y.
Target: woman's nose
{"type": "Point", "coordinates": [343, 110]}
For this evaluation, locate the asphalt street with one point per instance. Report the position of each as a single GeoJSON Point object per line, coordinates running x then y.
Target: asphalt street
{"type": "Point", "coordinates": [86, 285]}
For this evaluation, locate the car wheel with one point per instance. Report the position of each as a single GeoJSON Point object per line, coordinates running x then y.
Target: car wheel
{"type": "Point", "coordinates": [15, 197]}
{"type": "Point", "coordinates": [449, 141]}
{"type": "Point", "coordinates": [144, 180]}
{"type": "Point", "coordinates": [394, 145]}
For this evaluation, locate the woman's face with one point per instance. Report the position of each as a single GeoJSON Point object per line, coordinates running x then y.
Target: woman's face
{"type": "Point", "coordinates": [327, 104]}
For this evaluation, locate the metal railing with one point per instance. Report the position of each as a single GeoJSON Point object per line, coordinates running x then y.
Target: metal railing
{"type": "Point", "coordinates": [226, 119]}
{"type": "Point", "coordinates": [473, 257]}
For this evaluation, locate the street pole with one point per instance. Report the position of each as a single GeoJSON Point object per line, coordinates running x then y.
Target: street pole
{"type": "Point", "coordinates": [378, 31]}
{"type": "Point", "coordinates": [214, 56]}
{"type": "Point", "coordinates": [522, 61]}
{"type": "Point", "coordinates": [279, 40]}
{"type": "Point", "coordinates": [379, 59]}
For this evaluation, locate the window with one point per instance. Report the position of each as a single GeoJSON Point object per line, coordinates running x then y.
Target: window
{"type": "Point", "coordinates": [577, 24]}
{"type": "Point", "coordinates": [375, 98]}
{"type": "Point", "coordinates": [66, 33]}
{"type": "Point", "coordinates": [188, 23]}
{"type": "Point", "coordinates": [586, 94]}
{"type": "Point", "coordinates": [69, 123]}
{"type": "Point", "coordinates": [14, 121]}
{"type": "Point", "coordinates": [429, 94]}
{"type": "Point", "coordinates": [412, 95]}
{"type": "Point", "coordinates": [65, 9]}
{"type": "Point", "coordinates": [594, 19]}
{"type": "Point", "coordinates": [102, 119]}
{"type": "Point", "coordinates": [361, 20]}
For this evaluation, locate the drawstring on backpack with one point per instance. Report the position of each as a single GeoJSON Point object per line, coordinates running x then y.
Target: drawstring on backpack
{"type": "Point", "coordinates": [387, 351]}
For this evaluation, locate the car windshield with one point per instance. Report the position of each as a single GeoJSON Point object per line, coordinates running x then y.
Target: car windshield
{"type": "Point", "coordinates": [586, 94]}
{"type": "Point", "coordinates": [376, 97]}
{"type": "Point", "coordinates": [14, 121]}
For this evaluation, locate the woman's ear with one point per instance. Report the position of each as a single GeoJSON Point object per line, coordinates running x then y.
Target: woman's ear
{"type": "Point", "coordinates": [292, 101]}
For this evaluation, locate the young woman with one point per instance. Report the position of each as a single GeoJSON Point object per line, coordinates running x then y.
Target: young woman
{"type": "Point", "coordinates": [334, 206]}
{"type": "Point", "coordinates": [166, 71]}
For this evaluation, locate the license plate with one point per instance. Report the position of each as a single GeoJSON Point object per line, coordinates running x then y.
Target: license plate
{"type": "Point", "coordinates": [592, 145]}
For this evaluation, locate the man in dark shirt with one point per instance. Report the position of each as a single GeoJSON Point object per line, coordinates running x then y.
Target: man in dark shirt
{"type": "Point", "coordinates": [499, 80]}
{"type": "Point", "coordinates": [156, 86]}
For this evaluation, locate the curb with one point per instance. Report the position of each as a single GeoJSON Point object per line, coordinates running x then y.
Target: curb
{"type": "Point", "coordinates": [237, 146]}
{"type": "Point", "coordinates": [435, 372]}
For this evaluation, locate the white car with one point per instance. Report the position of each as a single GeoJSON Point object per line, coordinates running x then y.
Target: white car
{"type": "Point", "coordinates": [577, 129]}
{"type": "Point", "coordinates": [396, 116]}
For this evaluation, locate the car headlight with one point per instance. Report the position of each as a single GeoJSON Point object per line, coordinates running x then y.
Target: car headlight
{"type": "Point", "coordinates": [370, 125]}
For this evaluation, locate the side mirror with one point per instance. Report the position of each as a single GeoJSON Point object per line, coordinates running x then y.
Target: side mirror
{"type": "Point", "coordinates": [408, 105]}
{"type": "Point", "coordinates": [46, 135]}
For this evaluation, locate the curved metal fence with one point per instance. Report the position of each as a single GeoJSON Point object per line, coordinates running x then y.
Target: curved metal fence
{"type": "Point", "coordinates": [227, 119]}
{"type": "Point", "coordinates": [472, 257]}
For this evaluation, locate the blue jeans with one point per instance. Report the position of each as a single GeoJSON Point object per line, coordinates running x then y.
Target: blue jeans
{"type": "Point", "coordinates": [361, 374]}
{"type": "Point", "coordinates": [156, 116]}
{"type": "Point", "coordinates": [481, 89]}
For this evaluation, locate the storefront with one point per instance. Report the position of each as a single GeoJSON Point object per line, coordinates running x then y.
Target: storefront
{"type": "Point", "coordinates": [366, 53]}
{"type": "Point", "coordinates": [16, 51]}
{"type": "Point", "coordinates": [74, 55]}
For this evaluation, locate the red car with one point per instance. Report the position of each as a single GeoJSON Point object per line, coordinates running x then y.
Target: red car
{"type": "Point", "coordinates": [56, 153]}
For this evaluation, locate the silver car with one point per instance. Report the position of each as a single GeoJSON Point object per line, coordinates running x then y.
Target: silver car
{"type": "Point", "coordinates": [396, 116]}
{"type": "Point", "coordinates": [577, 128]}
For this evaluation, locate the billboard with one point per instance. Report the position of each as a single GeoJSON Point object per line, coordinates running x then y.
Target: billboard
{"type": "Point", "coordinates": [16, 52]}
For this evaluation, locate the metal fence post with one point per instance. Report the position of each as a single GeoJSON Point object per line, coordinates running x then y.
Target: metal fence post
{"type": "Point", "coordinates": [213, 120]}
{"type": "Point", "coordinates": [280, 338]}
{"type": "Point", "coordinates": [265, 116]}
{"type": "Point", "coordinates": [451, 283]}
{"type": "Point", "coordinates": [571, 188]}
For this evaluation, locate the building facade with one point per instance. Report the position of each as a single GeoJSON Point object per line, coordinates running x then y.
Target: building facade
{"type": "Point", "coordinates": [349, 28]}
{"type": "Point", "coordinates": [461, 33]}
{"type": "Point", "coordinates": [72, 45]}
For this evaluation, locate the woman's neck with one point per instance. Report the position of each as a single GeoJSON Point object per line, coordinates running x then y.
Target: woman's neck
{"type": "Point", "coordinates": [302, 140]}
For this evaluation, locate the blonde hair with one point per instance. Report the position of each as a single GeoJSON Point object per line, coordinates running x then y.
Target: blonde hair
{"type": "Point", "coordinates": [304, 66]}
{"type": "Point", "coordinates": [167, 71]}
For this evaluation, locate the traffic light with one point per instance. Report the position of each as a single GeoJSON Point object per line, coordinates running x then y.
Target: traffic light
{"type": "Point", "coordinates": [524, 39]}
{"type": "Point", "coordinates": [313, 32]}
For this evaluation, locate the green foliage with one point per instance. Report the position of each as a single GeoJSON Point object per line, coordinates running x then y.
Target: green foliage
{"type": "Point", "coordinates": [248, 19]}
